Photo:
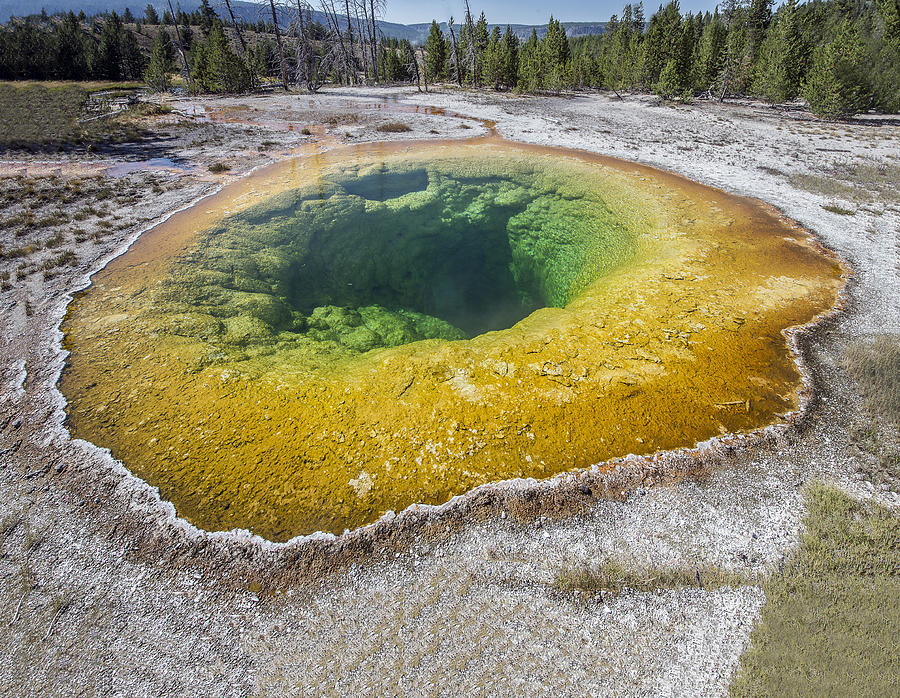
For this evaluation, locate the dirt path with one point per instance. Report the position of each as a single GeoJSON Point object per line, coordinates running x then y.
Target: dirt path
{"type": "Point", "coordinates": [103, 591]}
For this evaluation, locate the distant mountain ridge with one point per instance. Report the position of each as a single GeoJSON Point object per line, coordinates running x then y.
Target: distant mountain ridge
{"type": "Point", "coordinates": [416, 33]}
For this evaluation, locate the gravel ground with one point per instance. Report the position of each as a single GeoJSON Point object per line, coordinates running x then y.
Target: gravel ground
{"type": "Point", "coordinates": [103, 591]}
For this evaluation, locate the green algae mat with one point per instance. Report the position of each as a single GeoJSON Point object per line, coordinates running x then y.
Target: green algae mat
{"type": "Point", "coordinates": [360, 330]}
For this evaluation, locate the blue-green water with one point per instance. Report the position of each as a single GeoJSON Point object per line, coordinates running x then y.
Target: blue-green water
{"type": "Point", "coordinates": [387, 256]}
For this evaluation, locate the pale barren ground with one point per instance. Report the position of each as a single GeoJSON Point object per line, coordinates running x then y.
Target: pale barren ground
{"type": "Point", "coordinates": [88, 607]}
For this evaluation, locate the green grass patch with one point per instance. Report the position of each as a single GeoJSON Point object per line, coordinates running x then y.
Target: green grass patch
{"type": "Point", "coordinates": [218, 167]}
{"type": "Point", "coordinates": [87, 85]}
{"type": "Point", "coordinates": [831, 623]}
{"type": "Point", "coordinates": [39, 117]}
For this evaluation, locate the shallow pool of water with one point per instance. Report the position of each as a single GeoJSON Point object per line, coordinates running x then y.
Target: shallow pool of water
{"type": "Point", "coordinates": [376, 326]}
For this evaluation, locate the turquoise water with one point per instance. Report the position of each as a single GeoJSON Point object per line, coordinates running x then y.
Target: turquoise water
{"type": "Point", "coordinates": [387, 256]}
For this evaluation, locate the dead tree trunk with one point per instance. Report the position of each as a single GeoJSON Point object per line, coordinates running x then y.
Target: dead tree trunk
{"type": "Point", "coordinates": [352, 66]}
{"type": "Point", "coordinates": [424, 69]}
{"type": "Point", "coordinates": [455, 52]}
{"type": "Point", "coordinates": [411, 56]}
{"type": "Point", "coordinates": [470, 44]}
{"type": "Point", "coordinates": [331, 17]}
{"type": "Point", "coordinates": [363, 39]}
{"type": "Point", "coordinates": [237, 28]}
{"type": "Point", "coordinates": [180, 45]}
{"type": "Point", "coordinates": [303, 66]}
{"type": "Point", "coordinates": [284, 78]}
{"type": "Point", "coordinates": [374, 36]}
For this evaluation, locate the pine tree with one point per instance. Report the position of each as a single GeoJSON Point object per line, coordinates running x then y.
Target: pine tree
{"type": "Point", "coordinates": [127, 17]}
{"type": "Point", "coordinates": [465, 52]}
{"type": "Point", "coordinates": [161, 63]}
{"type": "Point", "coordinates": [555, 57]}
{"type": "Point", "coordinates": [669, 83]}
{"type": "Point", "coordinates": [836, 86]}
{"type": "Point", "coordinates": [108, 58]}
{"type": "Point", "coordinates": [455, 60]}
{"type": "Point", "coordinates": [782, 57]}
{"type": "Point", "coordinates": [216, 67]}
{"type": "Point", "coordinates": [435, 53]}
{"type": "Point", "coordinates": [661, 43]}
{"type": "Point", "coordinates": [614, 60]}
{"type": "Point", "coordinates": [480, 40]}
{"type": "Point", "coordinates": [494, 70]}
{"type": "Point", "coordinates": [529, 79]}
{"type": "Point", "coordinates": [885, 58]}
{"type": "Point", "coordinates": [510, 58]}
{"type": "Point", "coordinates": [759, 16]}
{"type": "Point", "coordinates": [685, 51]}
{"type": "Point", "coordinates": [72, 53]}
{"type": "Point", "coordinates": [132, 58]}
{"type": "Point", "coordinates": [889, 10]}
{"type": "Point", "coordinates": [187, 37]}
{"type": "Point", "coordinates": [732, 76]}
{"type": "Point", "coordinates": [207, 17]}
{"type": "Point", "coordinates": [150, 15]}
{"type": "Point", "coordinates": [392, 66]}
{"type": "Point", "coordinates": [260, 56]}
{"type": "Point", "coordinates": [710, 53]}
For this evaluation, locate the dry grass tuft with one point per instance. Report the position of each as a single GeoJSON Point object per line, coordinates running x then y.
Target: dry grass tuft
{"type": "Point", "coordinates": [859, 181]}
{"type": "Point", "coordinates": [875, 366]}
{"type": "Point", "coordinates": [613, 577]}
{"type": "Point", "coordinates": [840, 210]}
{"type": "Point", "coordinates": [62, 259]}
{"type": "Point", "coordinates": [393, 127]}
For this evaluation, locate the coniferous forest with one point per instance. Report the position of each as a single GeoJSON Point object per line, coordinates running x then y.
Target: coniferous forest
{"type": "Point", "coordinates": [841, 57]}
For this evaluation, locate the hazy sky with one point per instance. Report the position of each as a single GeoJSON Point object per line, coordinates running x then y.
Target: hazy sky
{"type": "Point", "coordinates": [522, 11]}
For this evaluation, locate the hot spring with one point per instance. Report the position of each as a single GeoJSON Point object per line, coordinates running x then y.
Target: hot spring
{"type": "Point", "coordinates": [350, 333]}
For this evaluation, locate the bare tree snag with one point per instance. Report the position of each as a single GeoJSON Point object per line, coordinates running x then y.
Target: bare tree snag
{"type": "Point", "coordinates": [455, 52]}
{"type": "Point", "coordinates": [411, 56]}
{"type": "Point", "coordinates": [237, 28]}
{"type": "Point", "coordinates": [180, 45]}
{"type": "Point", "coordinates": [424, 69]}
{"type": "Point", "coordinates": [470, 44]}
{"type": "Point", "coordinates": [352, 66]}
{"type": "Point", "coordinates": [284, 78]}
{"type": "Point", "coordinates": [374, 38]}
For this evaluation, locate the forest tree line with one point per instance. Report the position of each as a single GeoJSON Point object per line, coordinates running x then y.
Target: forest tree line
{"type": "Point", "coordinates": [212, 53]}
{"type": "Point", "coordinates": [841, 56]}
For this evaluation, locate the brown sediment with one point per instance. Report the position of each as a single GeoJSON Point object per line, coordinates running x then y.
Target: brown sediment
{"type": "Point", "coordinates": [681, 346]}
